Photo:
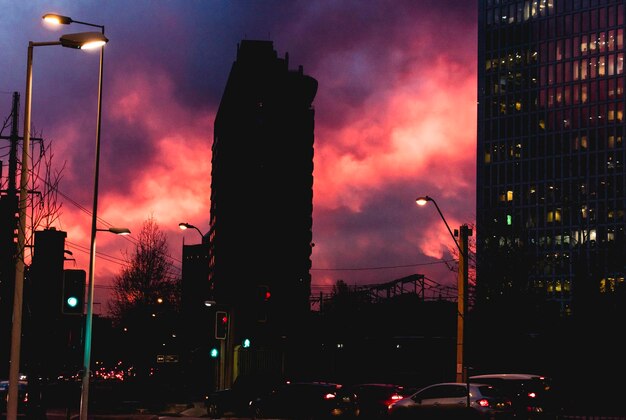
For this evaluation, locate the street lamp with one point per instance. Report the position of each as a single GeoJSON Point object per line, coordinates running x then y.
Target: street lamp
{"type": "Point", "coordinates": [464, 232]}
{"type": "Point", "coordinates": [185, 226]}
{"type": "Point", "coordinates": [116, 230]}
{"type": "Point", "coordinates": [84, 396]}
{"type": "Point", "coordinates": [83, 40]}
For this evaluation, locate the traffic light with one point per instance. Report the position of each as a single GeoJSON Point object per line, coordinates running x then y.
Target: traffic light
{"type": "Point", "coordinates": [73, 297]}
{"type": "Point", "coordinates": [221, 325]}
{"type": "Point", "coordinates": [264, 293]}
{"type": "Point", "coordinates": [214, 352]}
{"type": "Point", "coordinates": [262, 300]}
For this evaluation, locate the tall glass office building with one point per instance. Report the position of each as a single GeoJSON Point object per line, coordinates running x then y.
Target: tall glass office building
{"type": "Point", "coordinates": [550, 157]}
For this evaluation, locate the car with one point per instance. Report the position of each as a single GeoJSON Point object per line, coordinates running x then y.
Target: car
{"type": "Point", "coordinates": [374, 399]}
{"type": "Point", "coordinates": [306, 400]}
{"type": "Point", "coordinates": [22, 395]}
{"type": "Point", "coordinates": [449, 400]}
{"type": "Point", "coordinates": [236, 399]}
{"type": "Point", "coordinates": [533, 395]}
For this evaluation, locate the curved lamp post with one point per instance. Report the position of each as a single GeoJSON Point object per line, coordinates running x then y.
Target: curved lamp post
{"type": "Point", "coordinates": [84, 397]}
{"type": "Point", "coordinates": [185, 226]}
{"type": "Point", "coordinates": [84, 40]}
{"type": "Point", "coordinates": [464, 232]}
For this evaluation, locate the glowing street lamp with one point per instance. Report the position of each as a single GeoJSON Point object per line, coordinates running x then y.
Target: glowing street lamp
{"type": "Point", "coordinates": [185, 226]}
{"type": "Point", "coordinates": [462, 285]}
{"type": "Point", "coordinates": [84, 397]}
{"type": "Point", "coordinates": [79, 40]}
{"type": "Point", "coordinates": [116, 230]}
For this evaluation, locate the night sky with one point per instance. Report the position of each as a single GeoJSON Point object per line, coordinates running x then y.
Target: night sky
{"type": "Point", "coordinates": [395, 118]}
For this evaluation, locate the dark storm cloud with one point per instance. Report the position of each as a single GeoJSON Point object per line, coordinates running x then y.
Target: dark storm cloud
{"type": "Point", "coordinates": [395, 115]}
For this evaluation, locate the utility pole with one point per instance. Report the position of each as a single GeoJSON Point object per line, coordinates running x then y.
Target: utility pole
{"type": "Point", "coordinates": [8, 226]}
{"type": "Point", "coordinates": [462, 304]}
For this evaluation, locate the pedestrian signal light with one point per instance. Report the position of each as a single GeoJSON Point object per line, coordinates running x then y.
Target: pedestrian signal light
{"type": "Point", "coordinates": [221, 325]}
{"type": "Point", "coordinates": [214, 353]}
{"type": "Point", "coordinates": [73, 298]}
{"type": "Point", "coordinates": [245, 343]}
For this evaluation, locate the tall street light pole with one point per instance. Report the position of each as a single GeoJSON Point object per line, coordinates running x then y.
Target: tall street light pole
{"type": "Point", "coordinates": [84, 396]}
{"type": "Point", "coordinates": [80, 40]}
{"type": "Point", "coordinates": [462, 285]}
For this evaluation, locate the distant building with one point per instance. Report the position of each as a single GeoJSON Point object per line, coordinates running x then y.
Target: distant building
{"type": "Point", "coordinates": [262, 198]}
{"type": "Point", "coordinates": [196, 326]}
{"type": "Point", "coordinates": [551, 194]}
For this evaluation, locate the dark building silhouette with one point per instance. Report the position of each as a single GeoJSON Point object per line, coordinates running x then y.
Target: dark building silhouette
{"type": "Point", "coordinates": [262, 200]}
{"type": "Point", "coordinates": [196, 326]}
{"type": "Point", "coordinates": [550, 191]}
{"type": "Point", "coordinates": [52, 339]}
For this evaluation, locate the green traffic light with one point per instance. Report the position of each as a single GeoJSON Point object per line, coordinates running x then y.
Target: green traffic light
{"type": "Point", "coordinates": [72, 301]}
{"type": "Point", "coordinates": [214, 353]}
{"type": "Point", "coordinates": [246, 343]}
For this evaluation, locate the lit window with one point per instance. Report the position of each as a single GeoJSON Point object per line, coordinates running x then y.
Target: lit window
{"type": "Point", "coordinates": [554, 216]}
{"type": "Point", "coordinates": [567, 284]}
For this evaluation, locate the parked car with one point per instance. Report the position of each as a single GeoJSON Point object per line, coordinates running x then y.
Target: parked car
{"type": "Point", "coordinates": [374, 399]}
{"type": "Point", "coordinates": [22, 396]}
{"type": "Point", "coordinates": [306, 400]}
{"type": "Point", "coordinates": [533, 396]}
{"type": "Point", "coordinates": [236, 399]}
{"type": "Point", "coordinates": [448, 400]}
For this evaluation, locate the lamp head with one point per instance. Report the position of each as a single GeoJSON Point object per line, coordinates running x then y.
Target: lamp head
{"type": "Point", "coordinates": [83, 40]}
{"type": "Point", "coordinates": [184, 226]}
{"type": "Point", "coordinates": [57, 19]}
{"type": "Point", "coordinates": [116, 230]}
{"type": "Point", "coordinates": [421, 201]}
{"type": "Point", "coordinates": [119, 231]}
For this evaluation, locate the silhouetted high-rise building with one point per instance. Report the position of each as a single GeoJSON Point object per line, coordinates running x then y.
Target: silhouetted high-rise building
{"type": "Point", "coordinates": [262, 197]}
{"type": "Point", "coordinates": [196, 326]}
{"type": "Point", "coordinates": [551, 157]}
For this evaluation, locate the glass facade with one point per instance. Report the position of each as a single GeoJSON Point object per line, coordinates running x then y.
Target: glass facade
{"type": "Point", "coordinates": [550, 151]}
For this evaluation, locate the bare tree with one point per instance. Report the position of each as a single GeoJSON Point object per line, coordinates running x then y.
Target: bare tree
{"type": "Point", "coordinates": [148, 277]}
{"type": "Point", "coordinates": [146, 298]}
{"type": "Point", "coordinates": [44, 184]}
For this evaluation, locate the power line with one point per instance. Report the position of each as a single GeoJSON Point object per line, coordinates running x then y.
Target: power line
{"type": "Point", "coordinates": [383, 267]}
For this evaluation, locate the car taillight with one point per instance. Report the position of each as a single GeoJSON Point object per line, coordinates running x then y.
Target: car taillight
{"type": "Point", "coordinates": [329, 396]}
{"type": "Point", "coordinates": [532, 395]}
{"type": "Point", "coordinates": [392, 399]}
{"type": "Point", "coordinates": [483, 402]}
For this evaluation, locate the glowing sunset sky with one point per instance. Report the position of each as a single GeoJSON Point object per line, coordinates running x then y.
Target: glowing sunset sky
{"type": "Point", "coordinates": [395, 119]}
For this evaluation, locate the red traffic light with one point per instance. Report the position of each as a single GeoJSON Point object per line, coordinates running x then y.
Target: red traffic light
{"type": "Point", "coordinates": [264, 293]}
{"type": "Point", "coordinates": [221, 325]}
